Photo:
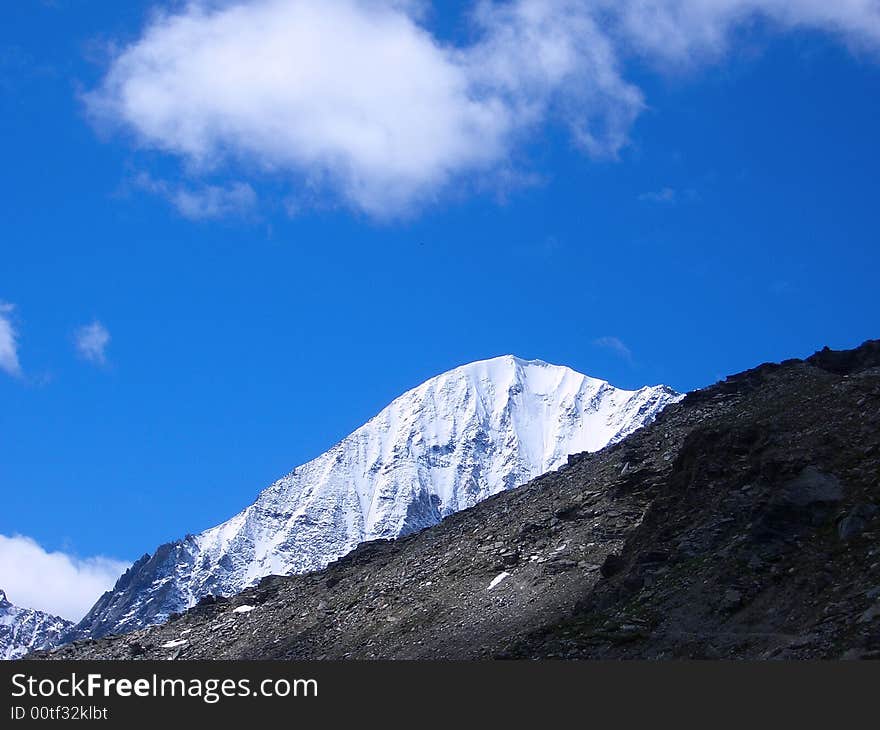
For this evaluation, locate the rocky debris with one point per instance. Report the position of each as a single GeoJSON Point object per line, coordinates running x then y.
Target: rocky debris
{"type": "Point", "coordinates": [742, 524]}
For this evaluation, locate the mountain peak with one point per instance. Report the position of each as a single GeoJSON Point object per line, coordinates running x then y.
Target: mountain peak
{"type": "Point", "coordinates": [508, 361]}
{"type": "Point", "coordinates": [505, 371]}
{"type": "Point", "coordinates": [23, 630]}
{"type": "Point", "coordinates": [516, 359]}
{"type": "Point", "coordinates": [439, 448]}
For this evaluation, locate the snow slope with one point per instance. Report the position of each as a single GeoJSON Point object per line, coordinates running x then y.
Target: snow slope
{"type": "Point", "coordinates": [23, 630]}
{"type": "Point", "coordinates": [439, 448]}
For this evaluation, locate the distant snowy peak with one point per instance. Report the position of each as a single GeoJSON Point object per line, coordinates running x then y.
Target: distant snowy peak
{"type": "Point", "coordinates": [23, 630]}
{"type": "Point", "coordinates": [439, 448]}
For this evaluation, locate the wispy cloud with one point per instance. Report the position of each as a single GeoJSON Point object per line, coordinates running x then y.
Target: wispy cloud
{"type": "Point", "coordinates": [91, 342]}
{"type": "Point", "coordinates": [615, 345]}
{"type": "Point", "coordinates": [56, 582]}
{"type": "Point", "coordinates": [214, 201]}
{"type": "Point", "coordinates": [670, 196]}
{"type": "Point", "coordinates": [358, 99]}
{"type": "Point", "coordinates": [782, 288]}
{"type": "Point", "coordinates": [693, 32]}
{"type": "Point", "coordinates": [664, 195]}
{"type": "Point", "coordinates": [203, 202]}
{"type": "Point", "coordinates": [9, 362]}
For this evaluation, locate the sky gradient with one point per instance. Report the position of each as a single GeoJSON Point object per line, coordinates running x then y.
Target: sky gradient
{"type": "Point", "coordinates": [194, 301]}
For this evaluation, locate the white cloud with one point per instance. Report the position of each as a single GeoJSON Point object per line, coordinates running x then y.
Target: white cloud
{"type": "Point", "coordinates": [9, 362]}
{"type": "Point", "coordinates": [55, 582]}
{"type": "Point", "coordinates": [359, 100]}
{"type": "Point", "coordinates": [91, 342]}
{"type": "Point", "coordinates": [615, 345]}
{"type": "Point", "coordinates": [355, 97]}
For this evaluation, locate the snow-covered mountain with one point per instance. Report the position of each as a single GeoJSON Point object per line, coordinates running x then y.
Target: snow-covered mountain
{"type": "Point", "coordinates": [23, 630]}
{"type": "Point", "coordinates": [439, 448]}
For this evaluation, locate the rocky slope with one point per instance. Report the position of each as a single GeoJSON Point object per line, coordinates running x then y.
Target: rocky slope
{"type": "Point", "coordinates": [742, 523]}
{"type": "Point", "coordinates": [439, 448]}
{"type": "Point", "coordinates": [24, 630]}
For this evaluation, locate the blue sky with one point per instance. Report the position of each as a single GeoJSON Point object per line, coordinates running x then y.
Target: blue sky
{"type": "Point", "coordinates": [259, 278]}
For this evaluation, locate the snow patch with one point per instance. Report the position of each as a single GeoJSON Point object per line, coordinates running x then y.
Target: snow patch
{"type": "Point", "coordinates": [496, 581]}
{"type": "Point", "coordinates": [174, 644]}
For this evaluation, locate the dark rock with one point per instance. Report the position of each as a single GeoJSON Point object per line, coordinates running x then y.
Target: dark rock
{"type": "Point", "coordinates": [855, 654]}
{"type": "Point", "coordinates": [560, 566]}
{"type": "Point", "coordinates": [531, 527]}
{"type": "Point", "coordinates": [856, 520]}
{"type": "Point", "coordinates": [871, 614]}
{"type": "Point", "coordinates": [805, 501]}
{"type": "Point", "coordinates": [567, 512]}
{"type": "Point", "coordinates": [510, 557]}
{"type": "Point", "coordinates": [611, 566]}
{"type": "Point", "coordinates": [846, 362]}
{"type": "Point", "coordinates": [812, 487]}
{"type": "Point", "coordinates": [653, 557]}
{"type": "Point", "coordinates": [731, 600]}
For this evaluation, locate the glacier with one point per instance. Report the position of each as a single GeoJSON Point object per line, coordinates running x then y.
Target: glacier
{"type": "Point", "coordinates": [439, 448]}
